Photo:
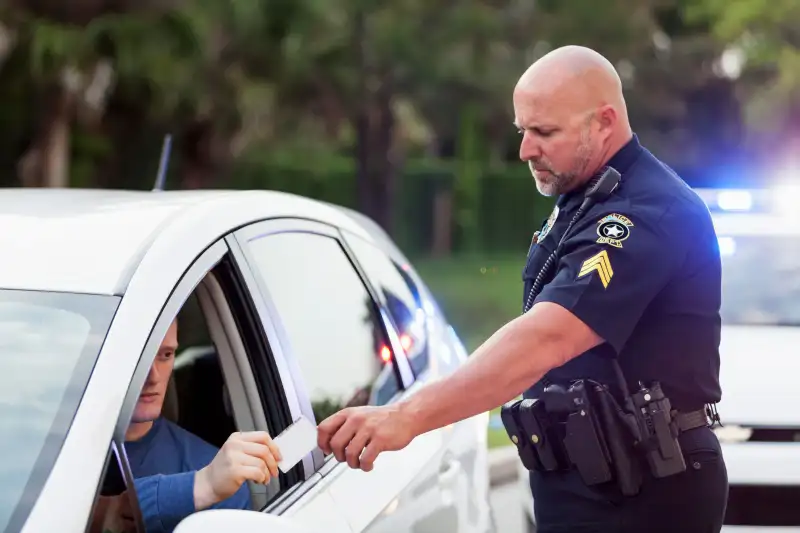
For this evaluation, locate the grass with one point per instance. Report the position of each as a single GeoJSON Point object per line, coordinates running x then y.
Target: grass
{"type": "Point", "coordinates": [497, 436]}
{"type": "Point", "coordinates": [478, 294]}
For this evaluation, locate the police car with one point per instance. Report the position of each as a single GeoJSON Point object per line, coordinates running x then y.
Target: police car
{"type": "Point", "coordinates": [287, 307]}
{"type": "Point", "coordinates": [759, 241]}
{"type": "Point", "coordinates": [759, 237]}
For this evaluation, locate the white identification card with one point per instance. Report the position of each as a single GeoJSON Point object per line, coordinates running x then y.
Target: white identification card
{"type": "Point", "coordinates": [295, 442]}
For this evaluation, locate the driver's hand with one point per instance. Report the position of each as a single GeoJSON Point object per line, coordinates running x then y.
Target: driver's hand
{"type": "Point", "coordinates": [249, 456]}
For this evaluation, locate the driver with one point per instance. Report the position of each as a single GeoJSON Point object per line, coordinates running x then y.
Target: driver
{"type": "Point", "coordinates": [177, 473]}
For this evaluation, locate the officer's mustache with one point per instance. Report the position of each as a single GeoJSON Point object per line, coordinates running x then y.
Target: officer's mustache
{"type": "Point", "coordinates": [540, 166]}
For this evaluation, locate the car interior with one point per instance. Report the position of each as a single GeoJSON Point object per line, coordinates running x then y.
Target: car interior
{"type": "Point", "coordinates": [212, 392]}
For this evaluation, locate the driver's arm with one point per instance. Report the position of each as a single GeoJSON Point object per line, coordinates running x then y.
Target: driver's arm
{"type": "Point", "coordinates": [165, 500]}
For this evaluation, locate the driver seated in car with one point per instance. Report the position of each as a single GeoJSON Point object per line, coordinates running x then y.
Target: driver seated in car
{"type": "Point", "coordinates": [177, 473]}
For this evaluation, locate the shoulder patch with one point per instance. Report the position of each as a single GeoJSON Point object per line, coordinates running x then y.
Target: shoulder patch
{"type": "Point", "coordinates": [613, 229]}
{"type": "Point", "coordinates": [599, 263]}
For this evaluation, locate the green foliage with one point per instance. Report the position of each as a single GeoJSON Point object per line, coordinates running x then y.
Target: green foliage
{"type": "Point", "coordinates": [53, 46]}
{"type": "Point", "coordinates": [287, 78]}
{"type": "Point", "coordinates": [89, 150]}
{"type": "Point", "coordinates": [478, 293]}
{"type": "Point", "coordinates": [324, 408]}
{"type": "Point", "coordinates": [509, 207]}
{"type": "Point", "coordinates": [767, 35]}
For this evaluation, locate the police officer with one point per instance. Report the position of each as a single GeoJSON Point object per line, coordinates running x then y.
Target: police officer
{"type": "Point", "coordinates": [636, 278]}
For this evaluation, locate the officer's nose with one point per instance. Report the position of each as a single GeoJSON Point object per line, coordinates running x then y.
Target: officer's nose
{"type": "Point", "coordinates": [529, 148]}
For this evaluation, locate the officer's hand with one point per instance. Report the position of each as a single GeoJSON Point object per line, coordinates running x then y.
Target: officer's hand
{"type": "Point", "coordinates": [370, 430]}
{"type": "Point", "coordinates": [250, 456]}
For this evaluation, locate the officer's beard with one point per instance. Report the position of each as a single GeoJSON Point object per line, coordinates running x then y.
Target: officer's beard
{"type": "Point", "coordinates": [552, 183]}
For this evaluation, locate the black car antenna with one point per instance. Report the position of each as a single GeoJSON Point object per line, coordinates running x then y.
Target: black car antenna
{"type": "Point", "coordinates": [161, 177]}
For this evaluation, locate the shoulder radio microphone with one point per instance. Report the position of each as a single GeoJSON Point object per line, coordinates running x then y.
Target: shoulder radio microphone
{"type": "Point", "coordinates": [600, 187]}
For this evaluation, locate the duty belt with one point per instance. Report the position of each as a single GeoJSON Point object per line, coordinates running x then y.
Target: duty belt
{"type": "Point", "coordinates": [690, 420]}
{"type": "Point", "coordinates": [583, 427]}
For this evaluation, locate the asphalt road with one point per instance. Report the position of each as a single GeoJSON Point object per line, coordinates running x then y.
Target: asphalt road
{"type": "Point", "coordinates": [505, 501]}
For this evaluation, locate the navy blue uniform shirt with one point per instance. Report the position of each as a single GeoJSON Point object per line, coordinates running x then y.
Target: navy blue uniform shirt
{"type": "Point", "coordinates": [642, 269]}
{"type": "Point", "coordinates": [164, 463]}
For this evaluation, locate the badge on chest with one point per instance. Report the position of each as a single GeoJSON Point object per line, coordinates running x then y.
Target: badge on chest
{"type": "Point", "coordinates": [537, 239]}
{"type": "Point", "coordinates": [551, 220]}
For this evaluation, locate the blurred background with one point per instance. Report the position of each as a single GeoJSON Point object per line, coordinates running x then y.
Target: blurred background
{"type": "Point", "coordinates": [399, 109]}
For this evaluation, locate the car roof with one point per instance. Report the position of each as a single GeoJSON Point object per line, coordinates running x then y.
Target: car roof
{"type": "Point", "coordinates": [755, 224]}
{"type": "Point", "coordinates": [90, 240]}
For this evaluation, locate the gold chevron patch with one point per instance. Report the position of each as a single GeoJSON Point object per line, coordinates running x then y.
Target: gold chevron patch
{"type": "Point", "coordinates": [600, 263]}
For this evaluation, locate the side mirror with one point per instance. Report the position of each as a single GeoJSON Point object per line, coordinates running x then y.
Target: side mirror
{"type": "Point", "coordinates": [216, 520]}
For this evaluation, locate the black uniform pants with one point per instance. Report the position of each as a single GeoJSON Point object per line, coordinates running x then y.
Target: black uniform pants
{"type": "Point", "coordinates": [693, 501]}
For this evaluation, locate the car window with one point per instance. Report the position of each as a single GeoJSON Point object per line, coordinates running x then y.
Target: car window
{"type": "Point", "coordinates": [757, 290]}
{"type": "Point", "coordinates": [400, 297]}
{"type": "Point", "coordinates": [330, 320]}
{"type": "Point", "coordinates": [49, 343]}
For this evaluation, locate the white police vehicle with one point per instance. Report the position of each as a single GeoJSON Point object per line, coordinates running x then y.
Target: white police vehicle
{"type": "Point", "coordinates": [306, 307]}
{"type": "Point", "coordinates": [759, 239]}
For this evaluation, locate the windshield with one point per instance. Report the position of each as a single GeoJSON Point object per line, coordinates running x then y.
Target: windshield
{"type": "Point", "coordinates": [48, 346]}
{"type": "Point", "coordinates": [760, 279]}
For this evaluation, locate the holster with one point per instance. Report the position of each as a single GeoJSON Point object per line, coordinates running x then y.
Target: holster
{"type": "Point", "coordinates": [581, 428]}
{"type": "Point", "coordinates": [620, 431]}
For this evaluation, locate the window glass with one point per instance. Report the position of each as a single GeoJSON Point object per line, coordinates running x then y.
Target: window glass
{"type": "Point", "coordinates": [756, 292]}
{"type": "Point", "coordinates": [401, 298]}
{"type": "Point", "coordinates": [49, 343]}
{"type": "Point", "coordinates": [330, 319]}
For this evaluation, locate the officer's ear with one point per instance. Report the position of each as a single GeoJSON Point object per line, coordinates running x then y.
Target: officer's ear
{"type": "Point", "coordinates": [606, 119]}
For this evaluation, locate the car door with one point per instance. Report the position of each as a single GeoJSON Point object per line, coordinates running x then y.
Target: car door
{"type": "Point", "coordinates": [243, 340]}
{"type": "Point", "coordinates": [343, 351]}
{"type": "Point", "coordinates": [451, 506]}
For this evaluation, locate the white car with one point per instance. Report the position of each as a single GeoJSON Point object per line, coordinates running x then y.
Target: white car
{"type": "Point", "coordinates": [759, 240]}
{"type": "Point", "coordinates": [306, 307]}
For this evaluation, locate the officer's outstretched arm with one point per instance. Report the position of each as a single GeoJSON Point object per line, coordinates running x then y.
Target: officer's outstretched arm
{"type": "Point", "coordinates": [602, 287]}
{"type": "Point", "coordinates": [516, 356]}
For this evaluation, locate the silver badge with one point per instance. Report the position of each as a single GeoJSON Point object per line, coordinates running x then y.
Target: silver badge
{"type": "Point", "coordinates": [549, 224]}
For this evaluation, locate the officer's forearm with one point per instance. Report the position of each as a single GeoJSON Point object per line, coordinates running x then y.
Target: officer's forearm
{"type": "Point", "coordinates": [510, 361]}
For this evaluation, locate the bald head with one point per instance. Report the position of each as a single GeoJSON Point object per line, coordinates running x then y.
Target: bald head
{"type": "Point", "coordinates": [578, 70]}
{"type": "Point", "coordinates": [570, 108]}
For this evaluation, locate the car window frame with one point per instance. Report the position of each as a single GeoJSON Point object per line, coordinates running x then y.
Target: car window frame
{"type": "Point", "coordinates": [321, 465]}
{"type": "Point", "coordinates": [272, 395]}
{"type": "Point", "coordinates": [204, 264]}
{"type": "Point", "coordinates": [190, 279]}
{"type": "Point", "coordinates": [397, 261]}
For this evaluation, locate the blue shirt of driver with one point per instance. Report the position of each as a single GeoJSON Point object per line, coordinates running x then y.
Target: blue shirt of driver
{"type": "Point", "coordinates": [163, 464]}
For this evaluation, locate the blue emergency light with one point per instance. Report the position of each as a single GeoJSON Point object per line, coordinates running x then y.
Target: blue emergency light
{"type": "Point", "coordinates": [727, 246]}
{"type": "Point", "coordinates": [738, 200]}
{"type": "Point", "coordinates": [735, 200]}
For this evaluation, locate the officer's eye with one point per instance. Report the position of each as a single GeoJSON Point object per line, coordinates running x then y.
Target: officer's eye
{"type": "Point", "coordinates": [543, 133]}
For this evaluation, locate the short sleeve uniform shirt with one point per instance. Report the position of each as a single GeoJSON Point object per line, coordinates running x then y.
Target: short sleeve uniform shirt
{"type": "Point", "coordinates": [642, 269]}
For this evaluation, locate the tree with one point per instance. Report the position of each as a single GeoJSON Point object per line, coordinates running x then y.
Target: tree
{"type": "Point", "coordinates": [762, 43]}
{"type": "Point", "coordinates": [76, 61]}
{"type": "Point", "coordinates": [124, 71]}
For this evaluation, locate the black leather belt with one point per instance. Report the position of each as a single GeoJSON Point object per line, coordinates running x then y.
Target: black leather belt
{"type": "Point", "coordinates": [690, 419]}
